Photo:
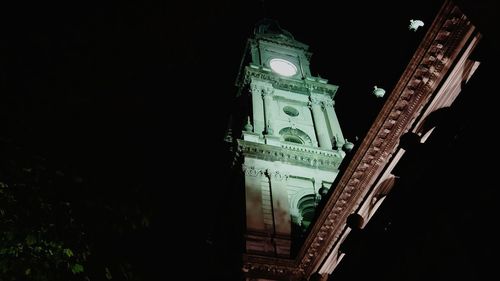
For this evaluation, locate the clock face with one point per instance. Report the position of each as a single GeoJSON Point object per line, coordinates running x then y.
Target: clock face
{"type": "Point", "coordinates": [283, 67]}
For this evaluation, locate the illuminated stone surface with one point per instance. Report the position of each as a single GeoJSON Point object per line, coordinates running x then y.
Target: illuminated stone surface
{"type": "Point", "coordinates": [290, 149]}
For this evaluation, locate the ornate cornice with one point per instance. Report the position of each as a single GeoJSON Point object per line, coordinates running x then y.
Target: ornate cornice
{"type": "Point", "coordinates": [304, 87]}
{"type": "Point", "coordinates": [282, 40]}
{"type": "Point", "coordinates": [328, 160]}
{"type": "Point", "coordinates": [278, 269]}
{"type": "Point", "coordinates": [438, 51]}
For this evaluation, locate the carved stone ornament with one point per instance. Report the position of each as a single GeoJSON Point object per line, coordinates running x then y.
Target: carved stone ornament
{"type": "Point", "coordinates": [280, 270]}
{"type": "Point", "coordinates": [255, 88]}
{"type": "Point", "coordinates": [316, 101]}
{"type": "Point", "coordinates": [267, 91]}
{"type": "Point", "coordinates": [252, 171]}
{"type": "Point", "coordinates": [279, 176]}
{"type": "Point", "coordinates": [329, 102]}
{"type": "Point", "coordinates": [282, 40]}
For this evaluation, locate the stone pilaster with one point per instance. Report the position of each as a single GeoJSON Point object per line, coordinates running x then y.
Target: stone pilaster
{"type": "Point", "coordinates": [281, 213]}
{"type": "Point", "coordinates": [260, 229]}
{"type": "Point", "coordinates": [336, 132]}
{"type": "Point", "coordinates": [320, 123]}
{"type": "Point", "coordinates": [258, 109]}
{"type": "Point", "coordinates": [267, 96]}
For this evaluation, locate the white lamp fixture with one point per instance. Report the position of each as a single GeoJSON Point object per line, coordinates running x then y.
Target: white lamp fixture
{"type": "Point", "coordinates": [415, 24]}
{"type": "Point", "coordinates": [378, 92]}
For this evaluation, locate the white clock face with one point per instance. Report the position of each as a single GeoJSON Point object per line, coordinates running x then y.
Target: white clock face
{"type": "Point", "coordinates": [283, 67]}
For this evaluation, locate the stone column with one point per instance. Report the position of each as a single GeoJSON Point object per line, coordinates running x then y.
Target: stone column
{"type": "Point", "coordinates": [320, 124]}
{"type": "Point", "coordinates": [258, 109]}
{"type": "Point", "coordinates": [267, 95]}
{"type": "Point", "coordinates": [334, 122]}
{"type": "Point", "coordinates": [281, 213]}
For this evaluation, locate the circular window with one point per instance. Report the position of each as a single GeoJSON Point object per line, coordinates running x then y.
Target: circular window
{"type": "Point", "coordinates": [291, 111]}
{"type": "Point", "coordinates": [283, 67]}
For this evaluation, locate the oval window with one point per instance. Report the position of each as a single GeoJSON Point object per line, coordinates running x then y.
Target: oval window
{"type": "Point", "coordinates": [291, 111]}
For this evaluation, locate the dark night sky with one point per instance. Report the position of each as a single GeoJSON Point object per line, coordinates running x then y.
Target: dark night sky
{"type": "Point", "coordinates": [134, 95]}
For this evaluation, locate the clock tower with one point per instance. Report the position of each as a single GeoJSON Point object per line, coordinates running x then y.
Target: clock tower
{"type": "Point", "coordinates": [287, 138]}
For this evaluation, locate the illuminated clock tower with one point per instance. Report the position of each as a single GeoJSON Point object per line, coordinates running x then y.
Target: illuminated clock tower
{"type": "Point", "coordinates": [288, 138]}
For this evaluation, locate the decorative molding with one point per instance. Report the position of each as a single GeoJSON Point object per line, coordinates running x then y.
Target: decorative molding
{"type": "Point", "coordinates": [252, 171]}
{"type": "Point", "coordinates": [321, 100]}
{"type": "Point", "coordinates": [281, 40]}
{"type": "Point", "coordinates": [278, 269]}
{"type": "Point", "coordinates": [267, 91]}
{"type": "Point", "coordinates": [299, 86]}
{"type": "Point", "coordinates": [278, 175]}
{"type": "Point", "coordinates": [264, 89]}
{"type": "Point", "coordinates": [329, 102]}
{"type": "Point", "coordinates": [294, 154]}
{"type": "Point", "coordinates": [316, 101]}
{"type": "Point", "coordinates": [255, 88]}
{"type": "Point", "coordinates": [291, 131]}
{"type": "Point", "coordinates": [435, 55]}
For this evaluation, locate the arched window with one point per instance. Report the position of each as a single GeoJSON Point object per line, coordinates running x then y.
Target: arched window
{"type": "Point", "coordinates": [294, 139]}
{"type": "Point", "coordinates": [307, 207]}
{"type": "Point", "coordinates": [295, 135]}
